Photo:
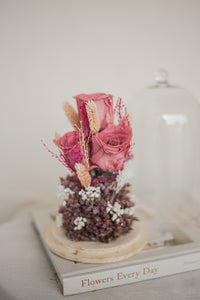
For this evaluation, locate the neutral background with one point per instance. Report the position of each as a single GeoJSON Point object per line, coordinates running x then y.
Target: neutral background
{"type": "Point", "coordinates": [52, 50]}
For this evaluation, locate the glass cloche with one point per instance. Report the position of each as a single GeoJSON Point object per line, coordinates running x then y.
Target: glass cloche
{"type": "Point", "coordinates": [167, 141]}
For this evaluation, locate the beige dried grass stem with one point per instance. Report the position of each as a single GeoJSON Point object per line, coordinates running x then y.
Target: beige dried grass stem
{"type": "Point", "coordinates": [83, 174]}
{"type": "Point", "coordinates": [57, 136]}
{"type": "Point", "coordinates": [93, 116]}
{"type": "Point", "coordinates": [72, 115]}
{"type": "Point", "coordinates": [84, 145]}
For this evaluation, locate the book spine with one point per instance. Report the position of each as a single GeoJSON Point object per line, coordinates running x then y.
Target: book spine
{"type": "Point", "coordinates": [131, 274]}
{"type": "Point", "coordinates": [48, 257]}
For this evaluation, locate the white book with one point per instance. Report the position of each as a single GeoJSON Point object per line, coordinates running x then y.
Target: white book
{"type": "Point", "coordinates": [172, 249]}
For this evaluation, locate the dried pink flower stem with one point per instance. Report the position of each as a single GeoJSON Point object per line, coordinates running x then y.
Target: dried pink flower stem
{"type": "Point", "coordinates": [126, 121]}
{"type": "Point", "coordinates": [54, 155]}
{"type": "Point", "coordinates": [120, 112]}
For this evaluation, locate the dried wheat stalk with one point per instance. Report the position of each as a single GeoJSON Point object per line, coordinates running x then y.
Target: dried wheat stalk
{"type": "Point", "coordinates": [71, 114]}
{"type": "Point", "coordinates": [93, 116]}
{"type": "Point", "coordinates": [83, 174]}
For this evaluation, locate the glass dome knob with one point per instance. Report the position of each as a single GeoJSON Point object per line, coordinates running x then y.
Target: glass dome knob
{"type": "Point", "coordinates": [161, 77]}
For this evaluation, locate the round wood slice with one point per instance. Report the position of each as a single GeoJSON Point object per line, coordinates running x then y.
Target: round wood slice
{"type": "Point", "coordinates": [122, 248]}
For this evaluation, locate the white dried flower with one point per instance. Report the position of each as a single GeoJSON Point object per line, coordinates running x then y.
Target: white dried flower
{"type": "Point", "coordinates": [59, 220]}
{"type": "Point", "coordinates": [109, 207]}
{"type": "Point", "coordinates": [91, 193]}
{"type": "Point", "coordinates": [129, 211]}
{"type": "Point", "coordinates": [125, 175]}
{"type": "Point", "coordinates": [83, 194]}
{"type": "Point", "coordinates": [64, 193]}
{"type": "Point", "coordinates": [80, 223]}
{"type": "Point", "coordinates": [116, 211]}
{"type": "Point", "coordinates": [114, 217]}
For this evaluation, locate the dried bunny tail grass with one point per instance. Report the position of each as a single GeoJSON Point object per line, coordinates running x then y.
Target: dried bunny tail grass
{"type": "Point", "coordinates": [130, 118]}
{"type": "Point", "coordinates": [83, 174]}
{"type": "Point", "coordinates": [71, 114]}
{"type": "Point", "coordinates": [93, 116]}
{"type": "Point", "coordinates": [57, 136]}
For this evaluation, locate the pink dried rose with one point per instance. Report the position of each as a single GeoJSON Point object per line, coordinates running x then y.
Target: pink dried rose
{"type": "Point", "coordinates": [104, 104]}
{"type": "Point", "coordinates": [110, 147]}
{"type": "Point", "coordinates": [71, 150]}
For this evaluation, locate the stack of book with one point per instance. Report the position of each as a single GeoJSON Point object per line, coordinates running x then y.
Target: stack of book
{"type": "Point", "coordinates": [173, 247]}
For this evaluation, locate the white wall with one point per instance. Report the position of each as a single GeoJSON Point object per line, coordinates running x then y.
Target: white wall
{"type": "Point", "coordinates": [52, 50]}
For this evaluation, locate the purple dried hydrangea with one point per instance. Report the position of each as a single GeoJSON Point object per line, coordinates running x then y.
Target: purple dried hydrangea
{"type": "Point", "coordinates": [102, 216]}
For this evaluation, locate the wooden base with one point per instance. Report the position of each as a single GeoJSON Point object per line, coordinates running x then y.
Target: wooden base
{"type": "Point", "coordinates": [122, 248]}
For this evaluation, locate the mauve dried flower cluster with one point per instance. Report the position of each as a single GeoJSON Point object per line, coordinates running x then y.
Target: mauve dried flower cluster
{"type": "Point", "coordinates": [99, 225]}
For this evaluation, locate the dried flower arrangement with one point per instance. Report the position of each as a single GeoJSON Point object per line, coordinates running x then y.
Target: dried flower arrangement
{"type": "Point", "coordinates": [96, 200]}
